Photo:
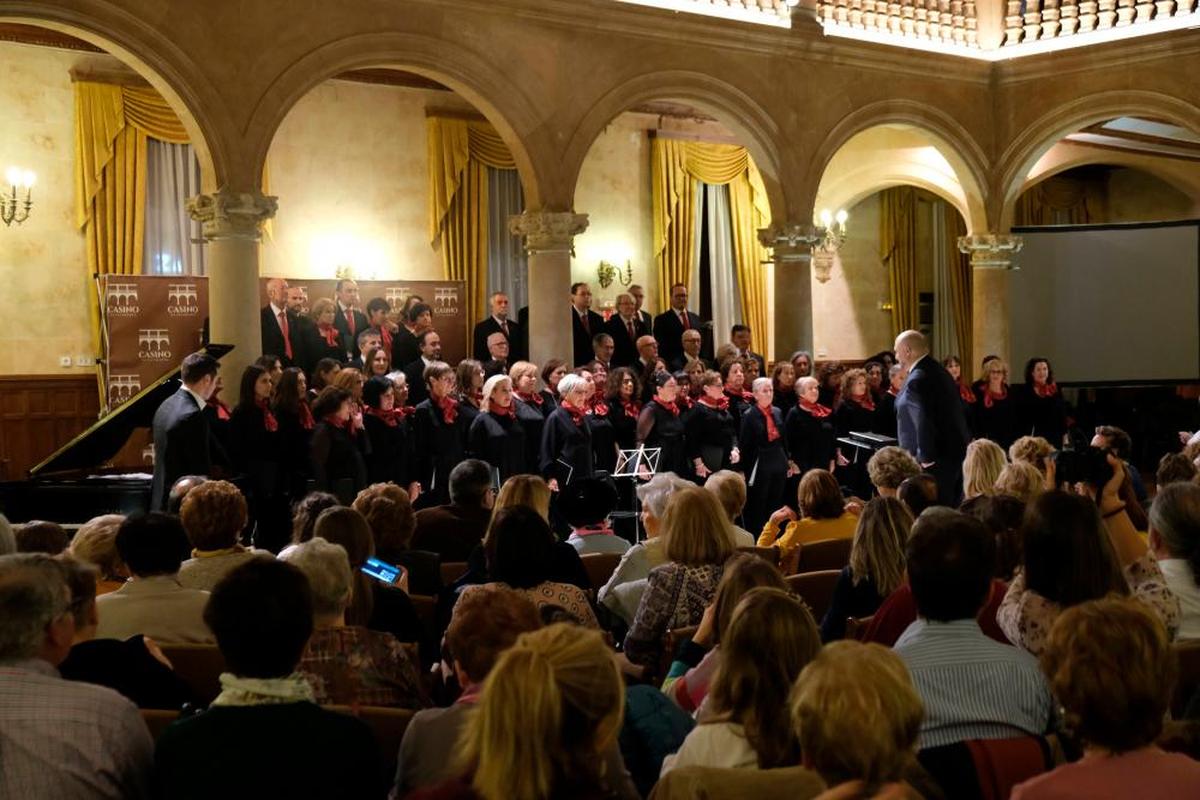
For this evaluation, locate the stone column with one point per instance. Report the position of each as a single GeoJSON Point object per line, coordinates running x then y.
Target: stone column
{"type": "Point", "coordinates": [231, 223]}
{"type": "Point", "coordinates": [549, 241]}
{"type": "Point", "coordinates": [992, 258]}
{"type": "Point", "coordinates": [790, 245]}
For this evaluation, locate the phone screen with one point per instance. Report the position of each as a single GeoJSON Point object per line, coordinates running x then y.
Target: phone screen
{"type": "Point", "coordinates": [382, 571]}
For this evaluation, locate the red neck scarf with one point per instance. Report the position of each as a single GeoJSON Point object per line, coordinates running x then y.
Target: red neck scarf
{"type": "Point", "coordinates": [329, 332]}
{"type": "Point", "coordinates": [502, 412]}
{"type": "Point", "coordinates": [632, 408]}
{"type": "Point", "coordinates": [738, 394]}
{"type": "Point", "coordinates": [306, 418]}
{"type": "Point", "coordinates": [597, 407]}
{"type": "Point", "coordinates": [222, 409]}
{"type": "Point", "coordinates": [863, 402]}
{"type": "Point", "coordinates": [1044, 390]}
{"type": "Point", "coordinates": [392, 417]}
{"type": "Point", "coordinates": [684, 403]}
{"type": "Point", "coordinates": [269, 421]}
{"type": "Point", "coordinates": [576, 413]}
{"type": "Point", "coordinates": [720, 404]}
{"type": "Point", "coordinates": [990, 397]}
{"type": "Point", "coordinates": [674, 409]}
{"type": "Point", "coordinates": [534, 397]}
{"type": "Point", "coordinates": [769, 415]}
{"type": "Point", "coordinates": [965, 393]}
{"type": "Point", "coordinates": [449, 408]}
{"type": "Point", "coordinates": [816, 409]}
{"type": "Point", "coordinates": [342, 424]}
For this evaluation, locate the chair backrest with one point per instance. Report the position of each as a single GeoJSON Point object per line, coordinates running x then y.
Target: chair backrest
{"type": "Point", "coordinates": [856, 627]}
{"type": "Point", "coordinates": [671, 640]}
{"type": "Point", "coordinates": [825, 554]}
{"type": "Point", "coordinates": [157, 720]}
{"type": "Point", "coordinates": [1187, 656]}
{"type": "Point", "coordinates": [816, 589]}
{"type": "Point", "coordinates": [987, 769]}
{"type": "Point", "coordinates": [426, 608]}
{"type": "Point", "coordinates": [452, 571]}
{"type": "Point", "coordinates": [771, 554]}
{"type": "Point", "coordinates": [600, 567]}
{"type": "Point", "coordinates": [200, 666]}
{"type": "Point", "coordinates": [388, 725]}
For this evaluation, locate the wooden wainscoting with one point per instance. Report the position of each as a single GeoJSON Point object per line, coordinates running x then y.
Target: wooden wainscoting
{"type": "Point", "coordinates": [39, 414]}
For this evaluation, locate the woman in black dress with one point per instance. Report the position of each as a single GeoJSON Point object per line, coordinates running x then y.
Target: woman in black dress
{"type": "Point", "coordinates": [604, 437]}
{"type": "Point", "coordinates": [289, 401]}
{"type": "Point", "coordinates": [966, 394]}
{"type": "Point", "coordinates": [733, 375]}
{"type": "Point", "coordinates": [387, 422]}
{"type": "Point", "coordinates": [469, 377]}
{"type": "Point", "coordinates": [886, 401]}
{"type": "Point", "coordinates": [532, 409]}
{"type": "Point", "coordinates": [497, 435]}
{"type": "Point", "coordinates": [440, 435]}
{"type": "Point", "coordinates": [996, 410]}
{"type": "Point", "coordinates": [856, 412]}
{"type": "Point", "coordinates": [567, 439]}
{"type": "Point", "coordinates": [1041, 410]}
{"type": "Point", "coordinates": [659, 425]}
{"type": "Point", "coordinates": [621, 397]}
{"type": "Point", "coordinates": [711, 434]}
{"type": "Point", "coordinates": [324, 341]}
{"type": "Point", "coordinates": [783, 380]}
{"type": "Point", "coordinates": [810, 434]}
{"type": "Point", "coordinates": [764, 456]}
{"type": "Point", "coordinates": [552, 373]}
{"type": "Point", "coordinates": [337, 450]}
{"type": "Point", "coordinates": [256, 449]}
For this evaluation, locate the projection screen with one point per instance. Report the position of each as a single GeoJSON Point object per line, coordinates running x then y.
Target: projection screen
{"type": "Point", "coordinates": [1109, 304]}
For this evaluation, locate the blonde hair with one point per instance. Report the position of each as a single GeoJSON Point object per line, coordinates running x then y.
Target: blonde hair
{"type": "Point", "coordinates": [982, 466]}
{"type": "Point", "coordinates": [549, 707]}
{"type": "Point", "coordinates": [890, 466]}
{"type": "Point", "coordinates": [1022, 480]}
{"type": "Point", "coordinates": [850, 377]}
{"type": "Point", "coordinates": [489, 386]}
{"type": "Point", "coordinates": [1032, 450]}
{"type": "Point", "coordinates": [695, 528]}
{"type": "Point", "coordinates": [348, 378]}
{"type": "Point", "coordinates": [879, 539]}
{"type": "Point", "coordinates": [319, 307]}
{"type": "Point", "coordinates": [857, 714]}
{"type": "Point", "coordinates": [96, 543]}
{"type": "Point", "coordinates": [729, 488]}
{"type": "Point", "coordinates": [526, 490]}
{"type": "Point", "coordinates": [520, 369]}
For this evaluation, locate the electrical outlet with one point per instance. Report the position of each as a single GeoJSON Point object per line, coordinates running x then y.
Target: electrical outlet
{"type": "Point", "coordinates": [84, 361]}
{"type": "Point", "coordinates": [64, 361]}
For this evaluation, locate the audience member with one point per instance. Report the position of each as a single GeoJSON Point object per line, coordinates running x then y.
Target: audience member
{"type": "Point", "coordinates": [1032, 450]}
{"type": "Point", "coordinates": [918, 493]}
{"type": "Point", "coordinates": [305, 513]}
{"type": "Point", "coordinates": [247, 743]}
{"type": "Point", "coordinates": [1002, 516]}
{"type": "Point", "coordinates": [1175, 543]}
{"type": "Point", "coordinates": [730, 490]}
{"type": "Point", "coordinates": [983, 464]}
{"type": "Point", "coordinates": [40, 536]}
{"type": "Point", "coordinates": [586, 504]}
{"type": "Point", "coordinates": [213, 515]}
{"type": "Point", "coordinates": [1020, 480]}
{"type": "Point", "coordinates": [770, 638]}
{"type": "Point", "coordinates": [823, 515]}
{"type": "Point", "coordinates": [349, 664]}
{"type": "Point", "coordinates": [1117, 441]}
{"type": "Point", "coordinates": [889, 467]}
{"type": "Point", "coordinates": [971, 686]}
{"type": "Point", "coordinates": [8, 540]}
{"type": "Point", "coordinates": [60, 739]}
{"type": "Point", "coordinates": [876, 567]}
{"type": "Point", "coordinates": [152, 602]}
{"type": "Point", "coordinates": [1111, 668]}
{"type": "Point", "coordinates": [1174, 467]}
{"type": "Point", "coordinates": [96, 543]}
{"type": "Point", "coordinates": [453, 530]}
{"type": "Point", "coordinates": [389, 513]}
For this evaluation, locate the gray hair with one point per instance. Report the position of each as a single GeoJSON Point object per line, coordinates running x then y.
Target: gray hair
{"type": "Point", "coordinates": [658, 490]}
{"type": "Point", "coordinates": [802, 384]}
{"type": "Point", "coordinates": [8, 541]}
{"type": "Point", "coordinates": [570, 383]}
{"type": "Point", "coordinates": [33, 593]}
{"type": "Point", "coordinates": [397, 377]}
{"type": "Point", "coordinates": [759, 382]}
{"type": "Point", "coordinates": [327, 568]}
{"type": "Point", "coordinates": [1175, 515]}
{"type": "Point", "coordinates": [895, 370]}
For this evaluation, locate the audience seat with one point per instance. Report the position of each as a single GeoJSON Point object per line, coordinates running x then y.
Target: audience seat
{"type": "Point", "coordinates": [988, 769]}
{"type": "Point", "coordinates": [816, 589]}
{"type": "Point", "coordinates": [1187, 654]}
{"type": "Point", "coordinates": [600, 567]}
{"type": "Point", "coordinates": [856, 627]}
{"type": "Point", "coordinates": [157, 720]}
{"type": "Point", "coordinates": [388, 725]}
{"type": "Point", "coordinates": [771, 554]}
{"type": "Point", "coordinates": [200, 666]}
{"type": "Point", "coordinates": [452, 571]}
{"type": "Point", "coordinates": [823, 555]}
{"type": "Point", "coordinates": [671, 642]}
{"type": "Point", "coordinates": [426, 608]}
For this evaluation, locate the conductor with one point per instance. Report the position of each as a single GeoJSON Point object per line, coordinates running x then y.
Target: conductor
{"type": "Point", "coordinates": [183, 444]}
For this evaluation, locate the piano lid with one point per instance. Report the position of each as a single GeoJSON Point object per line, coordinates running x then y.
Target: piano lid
{"type": "Point", "coordinates": [107, 435]}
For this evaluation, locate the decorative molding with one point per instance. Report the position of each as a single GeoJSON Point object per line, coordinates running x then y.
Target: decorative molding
{"type": "Point", "coordinates": [991, 250]}
{"type": "Point", "coordinates": [548, 231]}
{"type": "Point", "coordinates": [232, 215]}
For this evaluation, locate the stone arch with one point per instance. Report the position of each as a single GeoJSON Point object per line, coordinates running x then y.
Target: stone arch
{"type": "Point", "coordinates": [136, 44]}
{"type": "Point", "coordinates": [511, 112]}
{"type": "Point", "coordinates": [1037, 138]}
{"type": "Point", "coordinates": [960, 152]}
{"type": "Point", "coordinates": [733, 107]}
{"type": "Point", "coordinates": [1085, 156]}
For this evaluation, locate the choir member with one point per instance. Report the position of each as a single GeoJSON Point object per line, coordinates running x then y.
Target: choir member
{"type": "Point", "coordinates": [965, 393]}
{"type": "Point", "coordinates": [585, 323]}
{"type": "Point", "coordinates": [218, 414]}
{"type": "Point", "coordinates": [811, 438]}
{"type": "Point", "coordinates": [604, 437]}
{"type": "Point", "coordinates": [752, 369]}
{"type": "Point", "coordinates": [532, 408]}
{"type": "Point", "coordinates": [660, 426]}
{"type": "Point", "coordinates": [324, 341]}
{"type": "Point", "coordinates": [855, 413]}
{"type": "Point", "coordinates": [802, 363]}
{"type": "Point", "coordinates": [378, 310]}
{"type": "Point", "coordinates": [336, 451]}
{"type": "Point", "coordinates": [289, 402]}
{"type": "Point", "coordinates": [566, 439]}
{"type": "Point", "coordinates": [602, 351]}
{"type": "Point", "coordinates": [366, 341]}
{"type": "Point", "coordinates": [378, 362]}
{"type": "Point", "coordinates": [272, 364]}
{"type": "Point", "coordinates": [1041, 410]}
{"type": "Point", "coordinates": [683, 397]}
{"type": "Point", "coordinates": [830, 376]}
{"type": "Point", "coordinates": [622, 396]}
{"type": "Point", "coordinates": [256, 449]}
{"type": "Point", "coordinates": [469, 378]}
{"type": "Point", "coordinates": [387, 423]}
{"type": "Point", "coordinates": [429, 349]}
{"type": "Point", "coordinates": [783, 381]}
{"type": "Point", "coordinates": [886, 403]}
{"type": "Point", "coordinates": [352, 381]}
{"type": "Point", "coordinates": [497, 322]}
{"type": "Point", "coordinates": [695, 371]}
{"type": "Point", "coordinates": [874, 370]}
{"type": "Point", "coordinates": [712, 434]}
{"type": "Point", "coordinates": [440, 434]}
{"type": "Point", "coordinates": [764, 456]}
{"type": "Point", "coordinates": [406, 343]}
{"type": "Point", "coordinates": [497, 351]}
{"type": "Point", "coordinates": [552, 373]}
{"type": "Point", "coordinates": [733, 374]}
{"type": "Point", "coordinates": [996, 411]}
{"type": "Point", "coordinates": [497, 435]}
{"type": "Point", "coordinates": [626, 327]}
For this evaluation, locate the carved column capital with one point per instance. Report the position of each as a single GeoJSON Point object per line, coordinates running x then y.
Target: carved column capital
{"type": "Point", "coordinates": [548, 231]}
{"type": "Point", "coordinates": [227, 214]}
{"type": "Point", "coordinates": [991, 250]}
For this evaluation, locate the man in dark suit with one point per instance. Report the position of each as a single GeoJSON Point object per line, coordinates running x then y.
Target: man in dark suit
{"type": "Point", "coordinates": [929, 416]}
{"type": "Point", "coordinates": [368, 340]}
{"type": "Point", "coordinates": [497, 361]}
{"type": "Point", "coordinates": [670, 325]}
{"type": "Point", "coordinates": [691, 342]}
{"type": "Point", "coordinates": [740, 337]}
{"type": "Point", "coordinates": [602, 350]}
{"type": "Point", "coordinates": [405, 346]}
{"type": "Point", "coordinates": [281, 335]}
{"type": "Point", "coordinates": [626, 327]}
{"type": "Point", "coordinates": [585, 323]}
{"type": "Point", "coordinates": [639, 299]}
{"type": "Point", "coordinates": [348, 320]}
{"type": "Point", "coordinates": [498, 322]}
{"type": "Point", "coordinates": [431, 350]}
{"type": "Point", "coordinates": [183, 443]}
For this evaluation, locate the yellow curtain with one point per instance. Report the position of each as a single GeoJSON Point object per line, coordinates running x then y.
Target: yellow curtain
{"type": "Point", "coordinates": [960, 288]}
{"type": "Point", "coordinates": [460, 152]}
{"type": "Point", "coordinates": [898, 251]}
{"type": "Point", "coordinates": [675, 168]}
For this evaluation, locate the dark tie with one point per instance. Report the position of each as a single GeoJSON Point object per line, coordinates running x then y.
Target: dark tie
{"type": "Point", "coordinates": [583, 320]}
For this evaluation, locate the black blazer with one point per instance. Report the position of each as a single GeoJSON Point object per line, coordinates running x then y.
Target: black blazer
{"type": "Point", "coordinates": [390, 460]}
{"type": "Point", "coordinates": [563, 440]}
{"type": "Point", "coordinates": [316, 348]}
{"type": "Point", "coordinates": [486, 328]}
{"type": "Point", "coordinates": [998, 423]}
{"type": "Point", "coordinates": [811, 440]}
{"type": "Point", "coordinates": [658, 427]}
{"type": "Point", "coordinates": [338, 461]}
{"type": "Point", "coordinates": [256, 451]}
{"type": "Point", "coordinates": [581, 338]}
{"type": "Point", "coordinates": [414, 372]}
{"type": "Point", "coordinates": [929, 416]}
{"type": "Point", "coordinates": [183, 445]}
{"type": "Point", "coordinates": [753, 446]}
{"type": "Point", "coordinates": [711, 436]}
{"type": "Point", "coordinates": [272, 337]}
{"type": "Point", "coordinates": [405, 348]}
{"type": "Point", "coordinates": [438, 448]}
{"type": "Point", "coordinates": [500, 441]}
{"type": "Point", "coordinates": [349, 340]}
{"type": "Point", "coordinates": [668, 330]}
{"type": "Point", "coordinates": [624, 348]}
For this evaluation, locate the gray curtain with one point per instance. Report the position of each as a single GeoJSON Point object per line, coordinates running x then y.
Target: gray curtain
{"type": "Point", "coordinates": [508, 268]}
{"type": "Point", "coordinates": [171, 237]}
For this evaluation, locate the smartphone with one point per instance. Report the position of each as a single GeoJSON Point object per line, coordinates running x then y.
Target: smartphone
{"type": "Point", "coordinates": [383, 571]}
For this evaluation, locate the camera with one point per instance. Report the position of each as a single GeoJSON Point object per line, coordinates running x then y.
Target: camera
{"type": "Point", "coordinates": [1086, 464]}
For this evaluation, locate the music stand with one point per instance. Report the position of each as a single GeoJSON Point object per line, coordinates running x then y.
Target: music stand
{"type": "Point", "coordinates": [640, 462]}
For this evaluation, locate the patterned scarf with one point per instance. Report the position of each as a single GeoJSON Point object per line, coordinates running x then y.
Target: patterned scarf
{"type": "Point", "coordinates": [632, 408]}
{"type": "Point", "coordinates": [330, 333]}
{"type": "Point", "coordinates": [393, 416]}
{"type": "Point", "coordinates": [597, 408]}
{"type": "Point", "coordinates": [239, 691]}
{"type": "Point", "coordinates": [576, 413]}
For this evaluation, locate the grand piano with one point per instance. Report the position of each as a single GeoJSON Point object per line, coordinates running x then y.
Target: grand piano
{"type": "Point", "coordinates": [77, 481]}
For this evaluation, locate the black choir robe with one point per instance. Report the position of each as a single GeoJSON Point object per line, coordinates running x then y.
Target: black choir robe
{"type": "Point", "coordinates": [765, 464]}
{"type": "Point", "coordinates": [604, 441]}
{"type": "Point", "coordinates": [438, 447]}
{"type": "Point", "coordinates": [391, 455]}
{"type": "Point", "coordinates": [1041, 416]}
{"type": "Point", "coordinates": [566, 448]}
{"type": "Point", "coordinates": [294, 441]}
{"type": "Point", "coordinates": [711, 436]}
{"type": "Point", "coordinates": [533, 420]}
{"type": "Point", "coordinates": [659, 427]}
{"type": "Point", "coordinates": [338, 461]}
{"type": "Point", "coordinates": [812, 441]}
{"type": "Point", "coordinates": [998, 420]}
{"type": "Point", "coordinates": [500, 441]}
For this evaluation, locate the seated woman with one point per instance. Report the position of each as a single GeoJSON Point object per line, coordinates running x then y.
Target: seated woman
{"type": "Point", "coordinates": [982, 465]}
{"type": "Point", "coordinates": [96, 543]}
{"type": "Point", "coordinates": [389, 513]}
{"type": "Point", "coordinates": [213, 514]}
{"type": "Point", "coordinates": [1032, 450]}
{"type": "Point", "coordinates": [823, 515]}
{"type": "Point", "coordinates": [520, 554]}
{"type": "Point", "coordinates": [549, 710]}
{"type": "Point", "coordinates": [305, 513]}
{"type": "Point", "coordinates": [697, 543]}
{"type": "Point", "coordinates": [349, 664]}
{"type": "Point", "coordinates": [770, 638]}
{"type": "Point", "coordinates": [1175, 542]}
{"type": "Point", "coordinates": [729, 487]}
{"type": "Point", "coordinates": [387, 422]}
{"type": "Point", "coordinates": [497, 435]}
{"type": "Point", "coordinates": [586, 506]}
{"type": "Point", "coordinates": [691, 673]}
{"type": "Point", "coordinates": [1075, 549]}
{"type": "Point", "coordinates": [876, 567]}
{"type": "Point", "coordinates": [336, 452]}
{"type": "Point", "coordinates": [889, 467]}
{"type": "Point", "coordinates": [1110, 665]}
{"type": "Point", "coordinates": [1020, 480]}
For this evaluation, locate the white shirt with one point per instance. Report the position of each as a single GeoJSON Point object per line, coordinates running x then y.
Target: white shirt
{"type": "Point", "coordinates": [200, 401]}
{"type": "Point", "coordinates": [717, 744]}
{"type": "Point", "coordinates": [1180, 580]}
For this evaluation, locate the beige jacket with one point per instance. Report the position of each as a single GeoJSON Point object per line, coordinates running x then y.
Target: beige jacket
{"type": "Point", "coordinates": [157, 607]}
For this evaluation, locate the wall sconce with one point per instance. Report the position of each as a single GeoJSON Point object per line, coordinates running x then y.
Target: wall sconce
{"type": "Point", "coordinates": [14, 207]}
{"type": "Point", "coordinates": [606, 272]}
{"type": "Point", "coordinates": [832, 230]}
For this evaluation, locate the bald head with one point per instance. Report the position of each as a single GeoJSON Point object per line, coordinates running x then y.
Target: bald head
{"type": "Point", "coordinates": [277, 291]}
{"type": "Point", "coordinates": [910, 346]}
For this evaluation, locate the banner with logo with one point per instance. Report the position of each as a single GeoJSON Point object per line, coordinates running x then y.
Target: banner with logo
{"type": "Point", "coordinates": [151, 322]}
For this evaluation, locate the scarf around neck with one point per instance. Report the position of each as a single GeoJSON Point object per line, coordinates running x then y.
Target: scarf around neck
{"type": "Point", "coordinates": [269, 421]}
{"type": "Point", "coordinates": [990, 398]}
{"type": "Point", "coordinates": [533, 397]}
{"type": "Point", "coordinates": [720, 404]}
{"type": "Point", "coordinates": [769, 416]}
{"type": "Point", "coordinates": [674, 409]}
{"type": "Point", "coordinates": [239, 691]}
{"type": "Point", "coordinates": [1045, 390]}
{"type": "Point", "coordinates": [575, 413]}
{"type": "Point", "coordinates": [965, 393]}
{"type": "Point", "coordinates": [816, 409]}
{"type": "Point", "coordinates": [449, 408]}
